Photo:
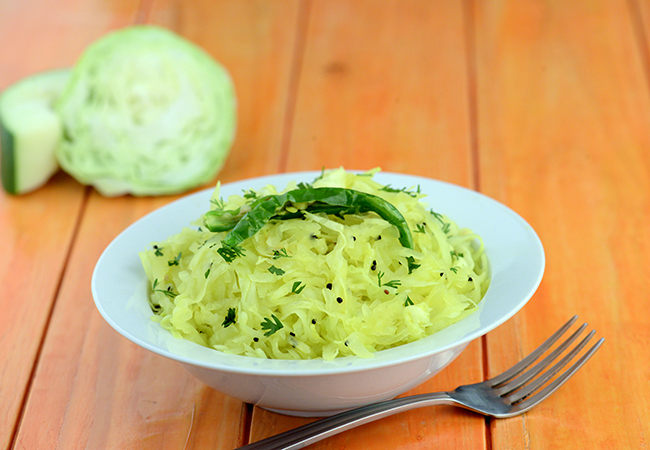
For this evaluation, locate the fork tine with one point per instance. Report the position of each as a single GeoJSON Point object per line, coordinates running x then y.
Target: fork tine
{"type": "Point", "coordinates": [530, 402]}
{"type": "Point", "coordinates": [532, 357]}
{"type": "Point", "coordinates": [521, 394]}
{"type": "Point", "coordinates": [519, 381]}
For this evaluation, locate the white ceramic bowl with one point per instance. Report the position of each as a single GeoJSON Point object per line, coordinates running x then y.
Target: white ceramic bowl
{"type": "Point", "coordinates": [318, 387]}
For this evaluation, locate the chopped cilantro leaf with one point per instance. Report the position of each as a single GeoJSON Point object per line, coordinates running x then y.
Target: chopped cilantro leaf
{"type": "Point", "coordinates": [230, 318]}
{"type": "Point", "coordinates": [392, 283]}
{"type": "Point", "coordinates": [282, 253]}
{"type": "Point", "coordinates": [168, 292]}
{"type": "Point", "coordinates": [230, 252]}
{"type": "Point", "coordinates": [411, 264]}
{"type": "Point", "coordinates": [175, 261]}
{"type": "Point", "coordinates": [207, 272]}
{"type": "Point", "coordinates": [250, 194]}
{"type": "Point", "coordinates": [271, 326]}
{"type": "Point", "coordinates": [297, 287]}
{"type": "Point", "coordinates": [276, 270]}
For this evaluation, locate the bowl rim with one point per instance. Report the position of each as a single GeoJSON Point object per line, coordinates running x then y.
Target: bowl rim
{"type": "Point", "coordinates": [531, 265]}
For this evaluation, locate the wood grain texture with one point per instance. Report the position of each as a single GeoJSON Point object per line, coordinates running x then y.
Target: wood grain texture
{"type": "Point", "coordinates": [563, 113]}
{"type": "Point", "coordinates": [383, 86]}
{"type": "Point", "coordinates": [435, 427]}
{"type": "Point", "coordinates": [94, 389]}
{"type": "Point", "coordinates": [30, 271]}
{"type": "Point", "coordinates": [45, 35]}
{"type": "Point", "coordinates": [36, 230]}
{"type": "Point", "coordinates": [108, 392]}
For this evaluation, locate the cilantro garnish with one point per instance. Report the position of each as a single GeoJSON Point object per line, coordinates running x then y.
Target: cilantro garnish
{"type": "Point", "coordinates": [168, 292]}
{"type": "Point", "coordinates": [456, 255]}
{"type": "Point", "coordinates": [445, 225]}
{"type": "Point", "coordinates": [207, 272]}
{"type": "Point", "coordinates": [297, 287]}
{"type": "Point", "coordinates": [414, 194]}
{"type": "Point", "coordinates": [276, 270]}
{"type": "Point", "coordinates": [175, 261]}
{"type": "Point", "coordinates": [250, 195]}
{"type": "Point", "coordinates": [218, 203]}
{"type": "Point", "coordinates": [271, 325]}
{"type": "Point", "coordinates": [392, 283]}
{"type": "Point", "coordinates": [229, 252]}
{"type": "Point", "coordinates": [230, 318]}
{"type": "Point", "coordinates": [282, 253]}
{"type": "Point", "coordinates": [411, 264]}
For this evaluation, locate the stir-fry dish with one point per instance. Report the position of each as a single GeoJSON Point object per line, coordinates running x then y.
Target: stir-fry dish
{"type": "Point", "coordinates": [340, 266]}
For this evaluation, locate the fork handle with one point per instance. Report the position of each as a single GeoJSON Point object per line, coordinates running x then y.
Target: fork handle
{"type": "Point", "coordinates": [329, 426]}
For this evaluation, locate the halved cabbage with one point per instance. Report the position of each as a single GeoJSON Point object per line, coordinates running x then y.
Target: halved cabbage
{"type": "Point", "coordinates": [146, 112]}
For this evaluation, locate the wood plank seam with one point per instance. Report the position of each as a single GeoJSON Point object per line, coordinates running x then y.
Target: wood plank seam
{"type": "Point", "coordinates": [470, 56]}
{"type": "Point", "coordinates": [293, 81]}
{"type": "Point", "coordinates": [640, 35]}
{"type": "Point", "coordinates": [245, 424]}
{"type": "Point", "coordinates": [143, 14]}
{"type": "Point", "coordinates": [472, 100]}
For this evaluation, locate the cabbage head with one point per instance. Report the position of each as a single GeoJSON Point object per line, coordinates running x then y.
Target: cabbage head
{"type": "Point", "coordinates": [146, 112]}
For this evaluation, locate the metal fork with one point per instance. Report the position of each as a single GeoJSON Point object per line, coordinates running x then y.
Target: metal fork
{"type": "Point", "coordinates": [511, 393]}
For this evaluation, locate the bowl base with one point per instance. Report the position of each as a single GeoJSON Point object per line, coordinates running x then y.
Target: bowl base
{"type": "Point", "coordinates": [287, 412]}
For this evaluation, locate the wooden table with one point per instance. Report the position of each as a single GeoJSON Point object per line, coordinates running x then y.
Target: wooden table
{"type": "Point", "coordinates": [544, 106]}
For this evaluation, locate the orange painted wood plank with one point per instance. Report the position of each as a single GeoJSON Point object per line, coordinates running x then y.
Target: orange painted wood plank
{"type": "Point", "coordinates": [384, 85]}
{"type": "Point", "coordinates": [36, 230]}
{"type": "Point", "coordinates": [35, 249]}
{"type": "Point", "coordinates": [563, 113]}
{"type": "Point", "coordinates": [109, 393]}
{"type": "Point", "coordinates": [387, 85]}
{"type": "Point", "coordinates": [39, 36]}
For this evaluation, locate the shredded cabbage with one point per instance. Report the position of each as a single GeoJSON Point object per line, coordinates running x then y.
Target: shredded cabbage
{"type": "Point", "coordinates": [146, 112]}
{"type": "Point", "coordinates": [322, 286]}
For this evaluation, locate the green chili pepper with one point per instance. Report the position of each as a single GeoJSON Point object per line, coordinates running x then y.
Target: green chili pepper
{"type": "Point", "coordinates": [292, 204]}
